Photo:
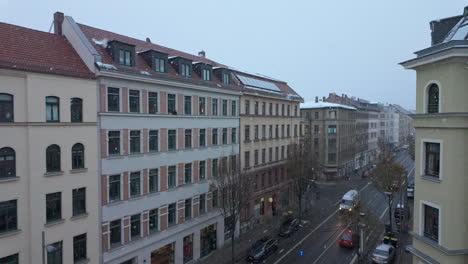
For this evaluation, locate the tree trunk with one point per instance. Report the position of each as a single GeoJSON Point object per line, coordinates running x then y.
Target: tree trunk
{"type": "Point", "coordinates": [390, 212]}
{"type": "Point", "coordinates": [232, 246]}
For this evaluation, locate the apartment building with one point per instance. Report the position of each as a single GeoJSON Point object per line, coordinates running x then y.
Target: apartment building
{"type": "Point", "coordinates": [329, 133]}
{"type": "Point", "coordinates": [48, 157]}
{"type": "Point", "coordinates": [441, 122]}
{"type": "Point", "coordinates": [270, 122]}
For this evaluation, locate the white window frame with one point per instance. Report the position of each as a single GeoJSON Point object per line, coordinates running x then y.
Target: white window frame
{"type": "Point", "coordinates": [191, 170]}
{"type": "Point", "coordinates": [421, 219]}
{"type": "Point", "coordinates": [167, 102]}
{"type": "Point", "coordinates": [159, 181]}
{"type": "Point", "coordinates": [130, 180]}
{"type": "Point", "coordinates": [176, 140]}
{"type": "Point", "coordinates": [176, 177]}
{"type": "Point", "coordinates": [141, 141]}
{"type": "Point", "coordinates": [423, 157]}
{"type": "Point", "coordinates": [158, 102]}
{"type": "Point", "coordinates": [120, 99]}
{"type": "Point", "coordinates": [426, 96]}
{"type": "Point", "coordinates": [140, 99]}
{"type": "Point", "coordinates": [120, 142]}
{"type": "Point", "coordinates": [108, 186]}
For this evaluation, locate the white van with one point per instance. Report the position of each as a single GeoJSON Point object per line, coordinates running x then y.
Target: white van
{"type": "Point", "coordinates": [350, 201]}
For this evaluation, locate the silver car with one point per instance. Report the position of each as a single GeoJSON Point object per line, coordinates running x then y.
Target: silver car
{"type": "Point", "coordinates": [383, 254]}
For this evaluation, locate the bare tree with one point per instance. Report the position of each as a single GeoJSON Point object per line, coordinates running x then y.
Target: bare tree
{"type": "Point", "coordinates": [234, 189]}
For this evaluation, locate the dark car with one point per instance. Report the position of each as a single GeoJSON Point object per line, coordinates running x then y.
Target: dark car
{"type": "Point", "coordinates": [348, 239]}
{"type": "Point", "coordinates": [289, 227]}
{"type": "Point", "coordinates": [262, 249]}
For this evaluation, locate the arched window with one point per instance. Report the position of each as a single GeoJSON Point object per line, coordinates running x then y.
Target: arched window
{"type": "Point", "coordinates": [53, 158]}
{"type": "Point", "coordinates": [433, 99]}
{"type": "Point", "coordinates": [6, 107]}
{"type": "Point", "coordinates": [7, 163]}
{"type": "Point", "coordinates": [52, 109]}
{"type": "Point", "coordinates": [77, 156]}
{"type": "Point", "coordinates": [76, 110]}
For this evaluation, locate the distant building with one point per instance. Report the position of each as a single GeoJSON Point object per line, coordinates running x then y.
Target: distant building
{"type": "Point", "coordinates": [440, 205]}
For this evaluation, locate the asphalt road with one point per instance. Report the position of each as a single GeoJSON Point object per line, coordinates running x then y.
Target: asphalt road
{"type": "Point", "coordinates": [316, 243]}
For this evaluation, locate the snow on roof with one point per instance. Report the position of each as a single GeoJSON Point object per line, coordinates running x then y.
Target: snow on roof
{"type": "Point", "coordinates": [105, 66]}
{"type": "Point", "coordinates": [102, 42]}
{"type": "Point", "coordinates": [325, 105]}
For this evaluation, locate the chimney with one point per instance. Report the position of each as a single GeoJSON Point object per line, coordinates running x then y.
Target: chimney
{"type": "Point", "coordinates": [148, 40]}
{"type": "Point", "coordinates": [58, 20]}
{"type": "Point", "coordinates": [316, 99]}
{"type": "Point", "coordinates": [202, 54]}
{"type": "Point", "coordinates": [323, 99]}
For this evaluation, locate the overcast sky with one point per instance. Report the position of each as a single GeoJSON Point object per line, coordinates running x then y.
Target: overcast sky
{"type": "Point", "coordinates": [318, 47]}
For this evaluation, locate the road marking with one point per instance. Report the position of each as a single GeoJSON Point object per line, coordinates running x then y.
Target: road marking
{"type": "Point", "coordinates": [326, 248]}
{"type": "Point", "coordinates": [354, 259]}
{"type": "Point", "coordinates": [382, 215]}
{"type": "Point", "coordinates": [281, 251]}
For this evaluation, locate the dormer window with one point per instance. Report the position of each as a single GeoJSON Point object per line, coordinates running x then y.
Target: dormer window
{"type": "Point", "coordinates": [122, 53]}
{"type": "Point", "coordinates": [224, 75]}
{"type": "Point", "coordinates": [125, 58]}
{"type": "Point", "coordinates": [159, 65]}
{"type": "Point", "coordinates": [206, 74]}
{"type": "Point", "coordinates": [156, 59]}
{"type": "Point", "coordinates": [185, 70]}
{"type": "Point", "coordinates": [226, 79]}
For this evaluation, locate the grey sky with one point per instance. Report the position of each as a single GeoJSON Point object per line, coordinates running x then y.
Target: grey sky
{"type": "Point", "coordinates": [318, 47]}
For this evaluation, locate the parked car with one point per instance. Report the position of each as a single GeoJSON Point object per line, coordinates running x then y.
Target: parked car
{"type": "Point", "coordinates": [383, 254]}
{"type": "Point", "coordinates": [262, 249]}
{"type": "Point", "coordinates": [348, 239]}
{"type": "Point", "coordinates": [289, 227]}
{"type": "Point", "coordinates": [410, 191]}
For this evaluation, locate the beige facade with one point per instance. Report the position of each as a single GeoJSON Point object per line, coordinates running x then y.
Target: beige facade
{"type": "Point", "coordinates": [29, 135]}
{"type": "Point", "coordinates": [440, 206]}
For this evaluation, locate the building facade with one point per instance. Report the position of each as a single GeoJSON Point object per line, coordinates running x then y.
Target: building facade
{"type": "Point", "coordinates": [441, 123]}
{"type": "Point", "coordinates": [49, 206]}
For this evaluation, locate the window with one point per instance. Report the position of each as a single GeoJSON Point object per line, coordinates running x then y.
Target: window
{"type": "Point", "coordinates": [214, 106]}
{"type": "Point", "coordinates": [54, 253]}
{"type": "Point", "coordinates": [332, 114]}
{"type": "Point", "coordinates": [77, 156]}
{"type": "Point", "coordinates": [289, 111]}
{"type": "Point", "coordinates": [226, 79]}
{"type": "Point", "coordinates": [53, 207]}
{"type": "Point", "coordinates": [79, 201]}
{"type": "Point", "coordinates": [188, 138]}
{"type": "Point", "coordinates": [114, 188]}
{"type": "Point", "coordinates": [7, 163]}
{"type": "Point", "coordinates": [202, 105]}
{"type": "Point", "coordinates": [431, 222]}
{"type": "Point", "coordinates": [270, 156]}
{"type": "Point", "coordinates": [214, 136]}
{"type": "Point", "coordinates": [188, 208]}
{"type": "Point", "coordinates": [233, 135]}
{"type": "Point", "coordinates": [263, 131]}
{"type": "Point", "coordinates": [277, 131]}
{"type": "Point", "coordinates": [224, 136]}
{"type": "Point", "coordinates": [12, 259]}
{"type": "Point", "coordinates": [225, 107]}
{"type": "Point", "coordinates": [263, 180]}
{"type": "Point", "coordinates": [52, 109]}
{"type": "Point", "coordinates": [295, 130]}
{"type": "Point", "coordinates": [282, 131]}
{"type": "Point", "coordinates": [171, 219]}
{"type": "Point", "coordinates": [160, 65]}
{"type": "Point", "coordinates": [277, 109]}
{"type": "Point", "coordinates": [214, 200]}
{"type": "Point", "coordinates": [332, 143]}
{"type": "Point", "coordinates": [79, 248]}
{"type": "Point", "coordinates": [233, 108]}
{"type": "Point", "coordinates": [113, 99]}
{"type": "Point", "coordinates": [125, 58]}
{"type": "Point", "coordinates": [256, 157]}
{"type": "Point", "coordinates": [135, 227]}
{"type": "Point", "coordinates": [282, 109]}
{"type": "Point", "coordinates": [256, 132]}
{"type": "Point", "coordinates": [171, 177]}
{"type": "Point", "coordinates": [247, 132]}
{"type": "Point", "coordinates": [433, 99]}
{"type": "Point", "coordinates": [276, 153]}
{"type": "Point", "coordinates": [263, 108]}
{"type": "Point", "coordinates": [135, 142]}
{"type": "Point", "coordinates": [263, 156]}
{"type": "Point", "coordinates": [214, 168]}
{"type": "Point", "coordinates": [186, 70]}
{"type": "Point", "coordinates": [271, 109]}
{"type": "Point", "coordinates": [331, 158]}
{"type": "Point", "coordinates": [76, 110]}
{"type": "Point", "coordinates": [282, 152]}
{"type": "Point", "coordinates": [114, 142]}
{"type": "Point", "coordinates": [153, 180]}
{"type": "Point", "coordinates": [6, 107]}
{"type": "Point", "coordinates": [432, 159]}
{"type": "Point", "coordinates": [202, 204]}
{"type": "Point", "coordinates": [152, 102]}
{"type": "Point", "coordinates": [233, 163]}
{"type": "Point", "coordinates": [247, 107]}
{"type": "Point", "coordinates": [135, 184]}
{"type": "Point", "coordinates": [153, 141]}
{"type": "Point", "coordinates": [295, 110]}
{"type": "Point", "coordinates": [171, 140]}
{"type": "Point", "coordinates": [206, 73]}
{"type": "Point", "coordinates": [171, 104]}
{"type": "Point", "coordinates": [271, 131]}
{"type": "Point", "coordinates": [134, 100]}
{"type": "Point", "coordinates": [316, 115]}
{"type": "Point", "coordinates": [115, 233]}
{"type": "Point", "coordinates": [288, 131]}
{"type": "Point", "coordinates": [331, 130]}
{"type": "Point", "coordinates": [188, 105]}
{"type": "Point", "coordinates": [202, 137]}
{"type": "Point", "coordinates": [316, 129]}
{"type": "Point", "coordinates": [202, 169]}
{"type": "Point", "coordinates": [188, 173]}
{"type": "Point", "coordinates": [256, 108]}
{"type": "Point", "coordinates": [153, 220]}
{"type": "Point", "coordinates": [247, 159]}
{"type": "Point", "coordinates": [8, 216]}
{"type": "Point", "coordinates": [53, 158]}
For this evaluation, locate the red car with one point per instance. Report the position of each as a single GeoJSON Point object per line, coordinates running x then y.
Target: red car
{"type": "Point", "coordinates": [348, 239]}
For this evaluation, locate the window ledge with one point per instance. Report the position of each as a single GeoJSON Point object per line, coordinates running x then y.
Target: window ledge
{"type": "Point", "coordinates": [153, 153]}
{"type": "Point", "coordinates": [55, 222]}
{"type": "Point", "coordinates": [115, 202]}
{"type": "Point", "coordinates": [154, 193]}
{"type": "Point", "coordinates": [135, 198]}
{"type": "Point", "coordinates": [55, 173]}
{"type": "Point", "coordinates": [79, 170]}
{"type": "Point", "coordinates": [83, 261]}
{"type": "Point", "coordinates": [134, 155]}
{"type": "Point", "coordinates": [170, 189]}
{"type": "Point", "coordinates": [431, 178]}
{"type": "Point", "coordinates": [111, 157]}
{"type": "Point", "coordinates": [186, 184]}
{"type": "Point", "coordinates": [9, 179]}
{"type": "Point", "coordinates": [10, 233]}
{"type": "Point", "coordinates": [202, 180]}
{"type": "Point", "coordinates": [83, 215]}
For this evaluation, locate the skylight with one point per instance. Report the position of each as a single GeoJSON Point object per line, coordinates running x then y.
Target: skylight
{"type": "Point", "coordinates": [258, 83]}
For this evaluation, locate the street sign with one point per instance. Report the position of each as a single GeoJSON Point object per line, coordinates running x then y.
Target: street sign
{"type": "Point", "coordinates": [301, 253]}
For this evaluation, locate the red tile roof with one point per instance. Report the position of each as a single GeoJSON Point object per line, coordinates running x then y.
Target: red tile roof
{"type": "Point", "coordinates": [32, 50]}
{"type": "Point", "coordinates": [96, 34]}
